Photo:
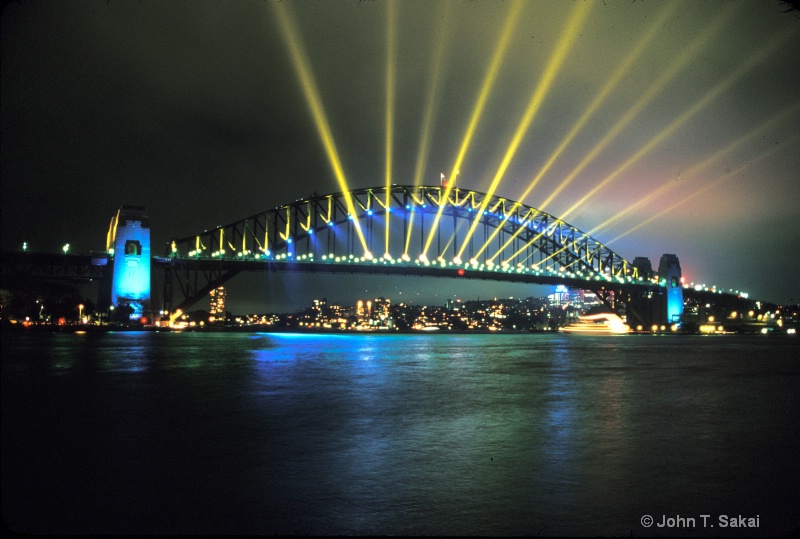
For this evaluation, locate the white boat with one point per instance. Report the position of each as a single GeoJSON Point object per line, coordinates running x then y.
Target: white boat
{"type": "Point", "coordinates": [600, 323]}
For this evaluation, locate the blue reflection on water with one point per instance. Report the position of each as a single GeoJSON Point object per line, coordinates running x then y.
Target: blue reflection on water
{"type": "Point", "coordinates": [404, 434]}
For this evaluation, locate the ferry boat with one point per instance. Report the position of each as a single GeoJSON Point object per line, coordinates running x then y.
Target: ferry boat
{"type": "Point", "coordinates": [600, 323]}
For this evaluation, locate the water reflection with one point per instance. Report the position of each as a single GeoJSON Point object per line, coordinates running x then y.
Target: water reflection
{"type": "Point", "coordinates": [126, 352]}
{"type": "Point", "coordinates": [361, 434]}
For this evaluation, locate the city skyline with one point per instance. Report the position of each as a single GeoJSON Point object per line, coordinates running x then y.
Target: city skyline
{"type": "Point", "coordinates": [656, 127]}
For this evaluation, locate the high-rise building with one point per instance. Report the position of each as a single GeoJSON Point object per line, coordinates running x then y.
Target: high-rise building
{"type": "Point", "coordinates": [320, 308]}
{"type": "Point", "coordinates": [381, 314]}
{"type": "Point", "coordinates": [560, 296]}
{"type": "Point", "coordinates": [217, 308]}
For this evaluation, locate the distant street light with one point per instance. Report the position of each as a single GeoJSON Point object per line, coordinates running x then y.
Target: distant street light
{"type": "Point", "coordinates": [65, 248]}
{"type": "Point", "coordinates": [80, 310]}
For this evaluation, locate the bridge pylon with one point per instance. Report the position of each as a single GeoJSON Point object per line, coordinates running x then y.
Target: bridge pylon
{"type": "Point", "coordinates": [128, 244]}
{"type": "Point", "coordinates": [669, 276]}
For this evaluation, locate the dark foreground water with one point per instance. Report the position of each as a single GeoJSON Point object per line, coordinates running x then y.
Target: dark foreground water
{"type": "Point", "coordinates": [379, 434]}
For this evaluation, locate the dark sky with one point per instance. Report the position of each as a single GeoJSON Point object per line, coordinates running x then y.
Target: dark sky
{"type": "Point", "coordinates": [683, 111]}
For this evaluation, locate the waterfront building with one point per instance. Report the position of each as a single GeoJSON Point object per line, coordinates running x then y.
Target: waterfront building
{"type": "Point", "coordinates": [217, 307]}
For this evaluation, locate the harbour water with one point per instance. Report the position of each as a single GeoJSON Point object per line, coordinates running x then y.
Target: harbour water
{"type": "Point", "coordinates": [534, 434]}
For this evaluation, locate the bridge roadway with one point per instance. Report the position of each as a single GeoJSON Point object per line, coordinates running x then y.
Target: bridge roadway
{"type": "Point", "coordinates": [196, 277]}
{"type": "Point", "coordinates": [71, 267]}
{"type": "Point", "coordinates": [380, 268]}
{"type": "Point", "coordinates": [93, 267]}
{"type": "Point", "coordinates": [90, 267]}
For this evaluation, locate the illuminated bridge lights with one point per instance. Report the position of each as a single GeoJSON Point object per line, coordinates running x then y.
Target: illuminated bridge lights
{"type": "Point", "coordinates": [283, 237]}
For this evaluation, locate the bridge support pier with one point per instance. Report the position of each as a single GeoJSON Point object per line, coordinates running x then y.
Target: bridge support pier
{"type": "Point", "coordinates": [192, 281]}
{"type": "Point", "coordinates": [669, 276]}
{"type": "Point", "coordinates": [128, 243]}
{"type": "Point", "coordinates": [662, 305]}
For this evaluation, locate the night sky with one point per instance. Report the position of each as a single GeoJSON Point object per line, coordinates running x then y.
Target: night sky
{"type": "Point", "coordinates": [683, 111]}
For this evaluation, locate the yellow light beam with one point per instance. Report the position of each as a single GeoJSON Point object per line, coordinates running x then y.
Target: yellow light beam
{"type": "Point", "coordinates": [697, 168]}
{"type": "Point", "coordinates": [552, 255]}
{"type": "Point", "coordinates": [709, 97]}
{"type": "Point", "coordinates": [610, 86]}
{"type": "Point", "coordinates": [763, 155]}
{"type": "Point", "coordinates": [451, 240]}
{"type": "Point", "coordinates": [434, 94]}
{"type": "Point", "coordinates": [655, 88]}
{"type": "Point", "coordinates": [575, 22]}
{"type": "Point", "coordinates": [410, 228]}
{"type": "Point", "coordinates": [447, 245]}
{"type": "Point", "coordinates": [510, 239]}
{"type": "Point", "coordinates": [307, 83]}
{"type": "Point", "coordinates": [688, 54]}
{"type": "Point", "coordinates": [488, 82]}
{"type": "Point", "coordinates": [390, 69]}
{"type": "Point", "coordinates": [432, 99]}
{"type": "Point", "coordinates": [494, 234]}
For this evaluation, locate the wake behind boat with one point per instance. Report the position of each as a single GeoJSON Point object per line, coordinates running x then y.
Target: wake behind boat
{"type": "Point", "coordinates": [600, 323]}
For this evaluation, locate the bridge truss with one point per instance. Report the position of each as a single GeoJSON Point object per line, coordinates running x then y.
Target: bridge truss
{"type": "Point", "coordinates": [418, 230]}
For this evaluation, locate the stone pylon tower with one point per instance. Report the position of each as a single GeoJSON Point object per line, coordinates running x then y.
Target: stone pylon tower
{"type": "Point", "coordinates": [669, 276]}
{"type": "Point", "coordinates": [128, 244]}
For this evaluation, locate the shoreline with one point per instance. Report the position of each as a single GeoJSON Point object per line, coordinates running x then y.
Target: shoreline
{"type": "Point", "coordinates": [94, 329]}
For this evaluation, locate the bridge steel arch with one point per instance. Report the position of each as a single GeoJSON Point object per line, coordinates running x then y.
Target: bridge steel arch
{"type": "Point", "coordinates": [512, 241]}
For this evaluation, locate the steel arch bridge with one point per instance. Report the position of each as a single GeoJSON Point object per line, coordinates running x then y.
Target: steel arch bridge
{"type": "Point", "coordinates": [401, 230]}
